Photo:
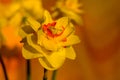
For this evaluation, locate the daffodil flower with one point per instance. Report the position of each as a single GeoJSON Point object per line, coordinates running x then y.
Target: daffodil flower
{"type": "Point", "coordinates": [69, 8]}
{"type": "Point", "coordinates": [16, 10]}
{"type": "Point", "coordinates": [51, 42]}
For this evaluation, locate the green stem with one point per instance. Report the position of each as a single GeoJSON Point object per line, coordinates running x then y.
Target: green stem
{"type": "Point", "coordinates": [28, 69]}
{"type": "Point", "coordinates": [3, 66]}
{"type": "Point", "coordinates": [54, 75]}
{"type": "Point", "coordinates": [45, 74]}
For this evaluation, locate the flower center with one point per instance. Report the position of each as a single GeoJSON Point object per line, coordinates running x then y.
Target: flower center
{"type": "Point", "coordinates": [51, 31]}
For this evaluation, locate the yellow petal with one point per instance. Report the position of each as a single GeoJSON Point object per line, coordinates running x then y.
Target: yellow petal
{"type": "Point", "coordinates": [38, 9]}
{"type": "Point", "coordinates": [12, 9]}
{"type": "Point", "coordinates": [47, 17]}
{"type": "Point", "coordinates": [22, 33]}
{"type": "Point", "coordinates": [16, 20]}
{"type": "Point", "coordinates": [73, 14]}
{"type": "Point", "coordinates": [25, 30]}
{"type": "Point", "coordinates": [76, 18]}
{"type": "Point", "coordinates": [54, 60]}
{"type": "Point", "coordinates": [70, 53]}
{"type": "Point", "coordinates": [68, 30]}
{"type": "Point", "coordinates": [40, 35]}
{"type": "Point", "coordinates": [62, 22]}
{"type": "Point", "coordinates": [71, 40]}
{"type": "Point", "coordinates": [48, 44]}
{"type": "Point", "coordinates": [55, 14]}
{"type": "Point", "coordinates": [32, 41]}
{"type": "Point", "coordinates": [28, 4]}
{"type": "Point", "coordinates": [34, 7]}
{"type": "Point", "coordinates": [33, 23]}
{"type": "Point", "coordinates": [3, 22]}
{"type": "Point", "coordinates": [29, 53]}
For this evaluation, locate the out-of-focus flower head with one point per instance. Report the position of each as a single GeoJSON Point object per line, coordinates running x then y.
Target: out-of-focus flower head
{"type": "Point", "coordinates": [70, 8]}
{"type": "Point", "coordinates": [13, 13]}
{"type": "Point", "coordinates": [51, 41]}
{"type": "Point", "coordinates": [17, 9]}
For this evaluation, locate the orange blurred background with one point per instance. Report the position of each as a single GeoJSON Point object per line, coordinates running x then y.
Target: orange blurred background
{"type": "Point", "coordinates": [98, 54]}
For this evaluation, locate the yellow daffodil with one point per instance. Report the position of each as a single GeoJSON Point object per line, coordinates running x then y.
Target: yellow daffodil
{"type": "Point", "coordinates": [51, 42]}
{"type": "Point", "coordinates": [17, 9]}
{"type": "Point", "coordinates": [69, 8]}
{"type": "Point", "coordinates": [33, 8]}
{"type": "Point", "coordinates": [14, 12]}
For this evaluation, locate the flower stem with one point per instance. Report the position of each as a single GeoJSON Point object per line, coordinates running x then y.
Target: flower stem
{"type": "Point", "coordinates": [45, 74]}
{"type": "Point", "coordinates": [3, 66]}
{"type": "Point", "coordinates": [54, 75]}
{"type": "Point", "coordinates": [28, 69]}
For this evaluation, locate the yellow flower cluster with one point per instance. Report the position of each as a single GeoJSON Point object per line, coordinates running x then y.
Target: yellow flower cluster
{"type": "Point", "coordinates": [69, 8]}
{"type": "Point", "coordinates": [12, 14]}
{"type": "Point", "coordinates": [50, 41]}
{"type": "Point", "coordinates": [17, 9]}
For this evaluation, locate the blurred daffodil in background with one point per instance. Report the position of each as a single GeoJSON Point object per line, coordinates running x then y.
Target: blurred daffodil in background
{"type": "Point", "coordinates": [51, 41]}
{"type": "Point", "coordinates": [69, 8]}
{"type": "Point", "coordinates": [17, 9]}
{"type": "Point", "coordinates": [14, 16]}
